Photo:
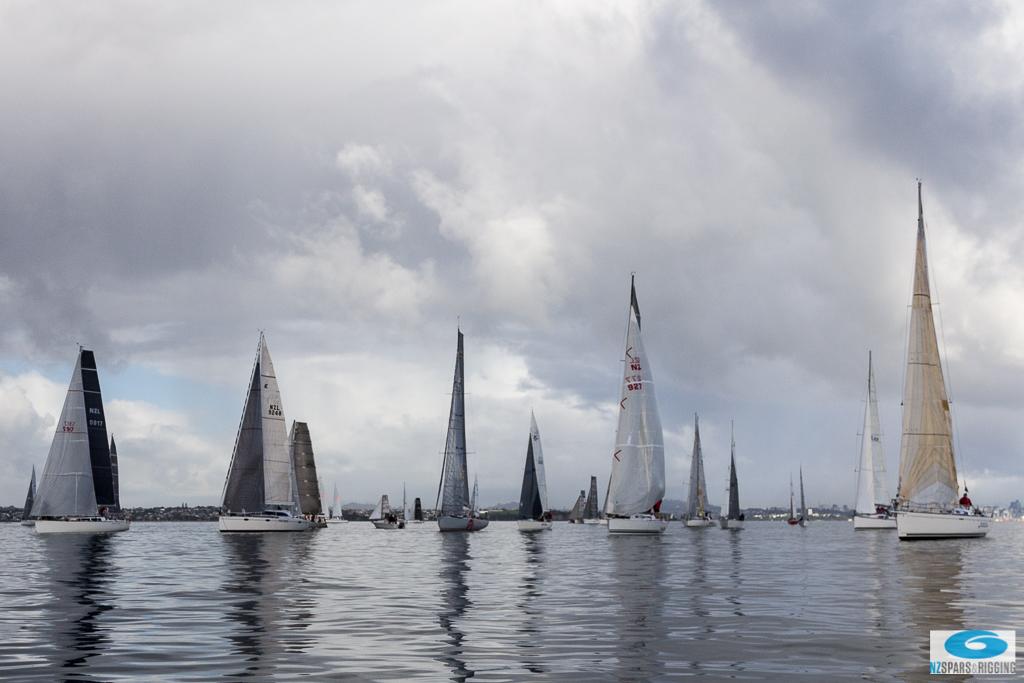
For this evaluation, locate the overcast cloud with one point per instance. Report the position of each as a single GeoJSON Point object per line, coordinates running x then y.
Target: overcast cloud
{"type": "Point", "coordinates": [353, 178]}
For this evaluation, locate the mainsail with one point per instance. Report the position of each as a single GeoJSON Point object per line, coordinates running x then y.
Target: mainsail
{"type": "Point", "coordinates": [261, 474]}
{"type": "Point", "coordinates": [697, 500]}
{"type": "Point", "coordinates": [77, 477]}
{"type": "Point", "coordinates": [803, 505]}
{"type": "Point", "coordinates": [927, 466]}
{"type": "Point", "coordinates": [454, 476]}
{"type": "Point", "coordinates": [31, 497]}
{"type": "Point", "coordinates": [637, 482]}
{"type": "Point", "coordinates": [734, 486]}
{"type": "Point", "coordinates": [871, 489]}
{"type": "Point", "coordinates": [530, 504]}
{"type": "Point", "coordinates": [383, 508]}
{"type": "Point", "coordinates": [590, 509]}
{"type": "Point", "coordinates": [417, 510]}
{"type": "Point", "coordinates": [305, 469]}
{"type": "Point", "coordinates": [576, 514]}
{"type": "Point", "coordinates": [114, 473]}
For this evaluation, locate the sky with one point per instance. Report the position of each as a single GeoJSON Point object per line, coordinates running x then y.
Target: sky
{"type": "Point", "coordinates": [356, 179]}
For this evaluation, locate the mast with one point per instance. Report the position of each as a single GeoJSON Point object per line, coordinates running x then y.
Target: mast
{"type": "Point", "coordinates": [927, 466]}
{"type": "Point", "coordinates": [454, 487]}
{"type": "Point", "coordinates": [734, 487]}
{"type": "Point", "coordinates": [637, 481]}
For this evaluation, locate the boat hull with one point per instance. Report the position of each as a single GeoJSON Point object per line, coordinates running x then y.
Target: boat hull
{"type": "Point", "coordinates": [699, 523]}
{"type": "Point", "coordinates": [731, 523]}
{"type": "Point", "coordinates": [862, 522]}
{"type": "Point", "coordinates": [80, 526]}
{"type": "Point", "coordinates": [233, 523]}
{"type": "Point", "coordinates": [936, 525]}
{"type": "Point", "coordinates": [592, 521]}
{"type": "Point", "coordinates": [445, 523]}
{"type": "Point", "coordinates": [643, 524]}
{"type": "Point", "coordinates": [28, 522]}
{"type": "Point", "coordinates": [533, 525]}
{"type": "Point", "coordinates": [385, 524]}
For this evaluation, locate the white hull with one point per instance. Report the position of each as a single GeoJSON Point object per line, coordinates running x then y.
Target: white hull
{"type": "Point", "coordinates": [80, 526]}
{"type": "Point", "coordinates": [872, 522]}
{"type": "Point", "coordinates": [533, 525]}
{"type": "Point", "coordinates": [699, 523]}
{"type": "Point", "coordinates": [641, 524]}
{"type": "Point", "coordinates": [926, 525]}
{"type": "Point", "coordinates": [257, 523]}
{"type": "Point", "coordinates": [445, 523]}
{"type": "Point", "coordinates": [591, 521]}
{"type": "Point", "coordinates": [731, 523]}
{"type": "Point", "coordinates": [385, 524]}
{"type": "Point", "coordinates": [28, 522]}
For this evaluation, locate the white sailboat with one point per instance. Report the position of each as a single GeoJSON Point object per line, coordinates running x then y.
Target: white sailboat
{"type": "Point", "coordinates": [383, 517]}
{"type": "Point", "coordinates": [30, 498]}
{"type": "Point", "coordinates": [76, 492]}
{"type": "Point", "coordinates": [261, 489]}
{"type": "Point", "coordinates": [637, 483]}
{"type": "Point", "coordinates": [927, 505]}
{"type": "Point", "coordinates": [733, 518]}
{"type": "Point", "coordinates": [872, 508]}
{"type": "Point", "coordinates": [455, 510]}
{"type": "Point", "coordinates": [697, 515]}
{"type": "Point", "coordinates": [533, 497]}
{"type": "Point", "coordinates": [335, 516]}
{"type": "Point", "coordinates": [792, 519]}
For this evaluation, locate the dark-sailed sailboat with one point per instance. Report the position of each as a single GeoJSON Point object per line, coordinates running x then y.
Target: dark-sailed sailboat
{"type": "Point", "coordinates": [533, 497]}
{"type": "Point", "coordinates": [26, 513]}
{"type": "Point", "coordinates": [417, 510]}
{"type": "Point", "coordinates": [456, 512]}
{"type": "Point", "coordinates": [733, 518]}
{"type": "Point", "coordinates": [591, 512]}
{"type": "Point", "coordinates": [307, 489]}
{"type": "Point", "coordinates": [76, 492]}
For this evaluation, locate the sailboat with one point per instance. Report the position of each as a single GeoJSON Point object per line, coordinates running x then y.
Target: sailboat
{"type": "Point", "coordinates": [417, 511]}
{"type": "Point", "coordinates": [927, 505]}
{"type": "Point", "coordinates": [792, 520]}
{"type": "Point", "coordinates": [533, 497]}
{"type": "Point", "coordinates": [383, 517]}
{"type": "Point", "coordinates": [591, 513]}
{"type": "Point", "coordinates": [260, 490]}
{"type": "Point", "coordinates": [334, 510]}
{"type": "Point", "coordinates": [872, 509]}
{"type": "Point", "coordinates": [76, 491]}
{"type": "Point", "coordinates": [456, 512]}
{"type": "Point", "coordinates": [26, 513]}
{"type": "Point", "coordinates": [697, 515]}
{"type": "Point", "coordinates": [637, 483]}
{"type": "Point", "coordinates": [576, 513]}
{"type": "Point", "coordinates": [307, 488]}
{"type": "Point", "coordinates": [734, 518]}
{"type": "Point", "coordinates": [803, 504]}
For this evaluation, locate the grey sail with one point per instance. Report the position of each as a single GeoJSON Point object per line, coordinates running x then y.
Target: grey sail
{"type": "Point", "coordinates": [697, 500]}
{"type": "Point", "coordinates": [31, 497]}
{"type": "Point", "coordinates": [734, 487]}
{"type": "Point", "coordinates": [66, 487]}
{"type": "Point", "coordinates": [576, 514]}
{"type": "Point", "coordinates": [454, 476]}
{"type": "Point", "coordinates": [530, 505]}
{"type": "Point", "coordinates": [114, 473]}
{"type": "Point", "coordinates": [305, 469]}
{"type": "Point", "coordinates": [803, 505]}
{"type": "Point", "coordinates": [590, 510]}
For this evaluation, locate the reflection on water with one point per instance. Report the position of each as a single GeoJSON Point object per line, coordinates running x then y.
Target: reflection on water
{"type": "Point", "coordinates": [455, 601]}
{"type": "Point", "coordinates": [640, 593]}
{"type": "Point", "coordinates": [82, 575]}
{"type": "Point", "coordinates": [530, 639]}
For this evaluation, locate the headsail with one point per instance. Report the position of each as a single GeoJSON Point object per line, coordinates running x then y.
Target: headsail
{"type": "Point", "coordinates": [31, 496]}
{"type": "Point", "coordinates": [383, 508]}
{"type": "Point", "coordinates": [697, 501]}
{"type": "Point", "coordinates": [305, 469]}
{"type": "Point", "coordinates": [637, 482]}
{"type": "Point", "coordinates": [590, 509]}
{"type": "Point", "coordinates": [927, 466]}
{"type": "Point", "coordinates": [734, 486]}
{"type": "Point", "coordinates": [454, 476]}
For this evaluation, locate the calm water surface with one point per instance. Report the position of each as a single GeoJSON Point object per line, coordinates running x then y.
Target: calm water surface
{"type": "Point", "coordinates": [184, 602]}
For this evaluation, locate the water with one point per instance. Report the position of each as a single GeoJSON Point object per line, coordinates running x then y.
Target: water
{"type": "Point", "coordinates": [183, 602]}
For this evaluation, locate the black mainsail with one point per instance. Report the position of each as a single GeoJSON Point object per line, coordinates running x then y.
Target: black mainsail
{"type": "Point", "coordinates": [734, 487]}
{"type": "Point", "coordinates": [99, 448]}
{"type": "Point", "coordinates": [31, 497]}
{"type": "Point", "coordinates": [590, 508]}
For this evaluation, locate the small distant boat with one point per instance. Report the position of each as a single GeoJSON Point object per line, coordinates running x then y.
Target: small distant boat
{"type": "Point", "coordinates": [576, 513]}
{"type": "Point", "coordinates": [334, 510]}
{"type": "Point", "coordinates": [591, 511]}
{"type": "Point", "coordinates": [533, 496]}
{"type": "Point", "coordinates": [76, 492]}
{"type": "Point", "coordinates": [803, 505]}
{"type": "Point", "coordinates": [637, 482]}
{"type": "Point", "coordinates": [307, 489]}
{"type": "Point", "coordinates": [26, 514]}
{"type": "Point", "coordinates": [417, 512]}
{"type": "Point", "coordinates": [871, 509]}
{"type": "Point", "coordinates": [928, 507]}
{"type": "Point", "coordinates": [733, 518]}
{"type": "Point", "coordinates": [383, 517]}
{"type": "Point", "coordinates": [260, 490]}
{"type": "Point", "coordinates": [697, 515]}
{"type": "Point", "coordinates": [456, 512]}
{"type": "Point", "coordinates": [792, 520]}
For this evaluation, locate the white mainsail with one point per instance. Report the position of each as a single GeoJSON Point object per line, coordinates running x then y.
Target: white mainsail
{"type": "Point", "coordinates": [871, 488]}
{"type": "Point", "coordinates": [927, 467]}
{"type": "Point", "coordinates": [66, 488]}
{"type": "Point", "coordinates": [637, 481]}
{"type": "Point", "coordinates": [538, 462]}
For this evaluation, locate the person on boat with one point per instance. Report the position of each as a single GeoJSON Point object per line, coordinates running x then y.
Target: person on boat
{"type": "Point", "coordinates": [965, 500]}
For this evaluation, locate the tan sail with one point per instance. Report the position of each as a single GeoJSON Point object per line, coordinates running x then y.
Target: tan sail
{"type": "Point", "coordinates": [927, 467]}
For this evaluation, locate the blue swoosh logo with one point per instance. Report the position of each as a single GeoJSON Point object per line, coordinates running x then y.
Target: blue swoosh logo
{"type": "Point", "coordinates": [959, 645]}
